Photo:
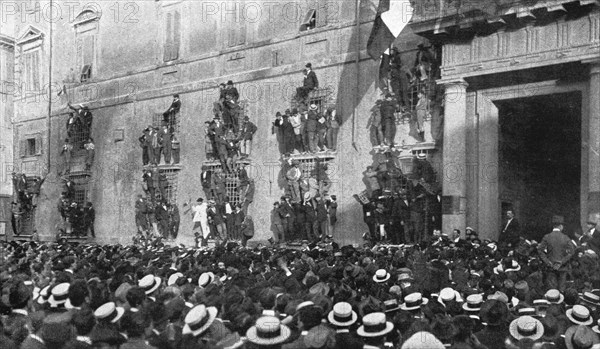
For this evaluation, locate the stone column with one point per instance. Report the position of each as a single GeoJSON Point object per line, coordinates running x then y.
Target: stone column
{"type": "Point", "coordinates": [594, 139]}
{"type": "Point", "coordinates": [454, 176]}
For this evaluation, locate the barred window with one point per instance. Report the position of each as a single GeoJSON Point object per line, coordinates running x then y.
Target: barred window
{"type": "Point", "coordinates": [173, 123]}
{"type": "Point", "coordinates": [81, 184]}
{"type": "Point", "coordinates": [315, 167]}
{"type": "Point", "coordinates": [232, 182]}
{"type": "Point", "coordinates": [170, 186]}
{"type": "Point", "coordinates": [321, 97]}
{"type": "Point", "coordinates": [427, 87]}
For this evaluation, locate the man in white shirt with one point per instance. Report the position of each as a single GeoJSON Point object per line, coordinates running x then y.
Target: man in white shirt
{"type": "Point", "coordinates": [200, 219]}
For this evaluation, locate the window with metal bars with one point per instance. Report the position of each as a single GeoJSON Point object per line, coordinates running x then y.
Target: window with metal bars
{"type": "Point", "coordinates": [170, 186]}
{"type": "Point", "coordinates": [232, 182]}
{"type": "Point", "coordinates": [173, 123]}
{"type": "Point", "coordinates": [321, 98]}
{"type": "Point", "coordinates": [81, 185]}
{"type": "Point", "coordinates": [427, 87]}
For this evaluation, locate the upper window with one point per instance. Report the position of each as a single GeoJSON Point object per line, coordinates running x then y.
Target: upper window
{"type": "Point", "coordinates": [31, 146]}
{"type": "Point", "coordinates": [172, 35]}
{"type": "Point", "coordinates": [235, 18]}
{"type": "Point", "coordinates": [86, 31]}
{"type": "Point", "coordinates": [315, 17]}
{"type": "Point", "coordinates": [29, 51]}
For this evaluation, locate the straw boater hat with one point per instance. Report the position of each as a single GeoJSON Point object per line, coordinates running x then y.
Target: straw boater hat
{"type": "Point", "coordinates": [580, 337]}
{"type": "Point", "coordinates": [526, 327]}
{"type": "Point", "coordinates": [268, 331]}
{"type": "Point", "coordinates": [109, 312]}
{"type": "Point", "coordinates": [149, 283]}
{"type": "Point", "coordinates": [173, 278]}
{"type": "Point", "coordinates": [206, 279]}
{"type": "Point", "coordinates": [391, 305]}
{"type": "Point", "coordinates": [473, 303]}
{"type": "Point", "coordinates": [60, 294]}
{"type": "Point", "coordinates": [597, 327]}
{"type": "Point", "coordinates": [342, 315]}
{"type": "Point", "coordinates": [554, 296]}
{"type": "Point", "coordinates": [580, 315]}
{"type": "Point", "coordinates": [199, 319]}
{"type": "Point", "coordinates": [514, 266]}
{"type": "Point", "coordinates": [590, 298]}
{"type": "Point", "coordinates": [381, 275]}
{"type": "Point", "coordinates": [448, 294]}
{"type": "Point", "coordinates": [374, 325]}
{"type": "Point", "coordinates": [44, 295]}
{"type": "Point", "coordinates": [413, 301]}
{"type": "Point", "coordinates": [313, 107]}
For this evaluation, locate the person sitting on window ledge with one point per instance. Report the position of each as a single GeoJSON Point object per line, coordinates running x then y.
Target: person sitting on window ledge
{"type": "Point", "coordinates": [83, 120]}
{"type": "Point", "coordinates": [310, 82]}
{"type": "Point", "coordinates": [169, 115]}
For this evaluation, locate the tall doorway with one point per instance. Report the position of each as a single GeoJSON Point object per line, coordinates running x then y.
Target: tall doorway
{"type": "Point", "coordinates": [539, 157]}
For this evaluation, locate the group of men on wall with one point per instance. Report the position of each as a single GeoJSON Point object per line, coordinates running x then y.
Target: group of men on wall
{"type": "Point", "coordinates": [79, 130]}
{"type": "Point", "coordinates": [229, 135]}
{"type": "Point", "coordinates": [25, 199]}
{"type": "Point", "coordinates": [156, 218]}
{"type": "Point", "coordinates": [77, 217]}
{"type": "Point", "coordinates": [161, 141]}
{"type": "Point", "coordinates": [398, 208]}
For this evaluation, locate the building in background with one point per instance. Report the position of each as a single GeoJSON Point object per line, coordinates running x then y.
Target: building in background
{"type": "Point", "coordinates": [500, 67]}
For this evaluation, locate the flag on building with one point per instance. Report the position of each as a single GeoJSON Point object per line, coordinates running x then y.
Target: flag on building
{"type": "Point", "coordinates": [392, 16]}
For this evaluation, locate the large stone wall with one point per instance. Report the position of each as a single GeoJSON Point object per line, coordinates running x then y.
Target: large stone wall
{"type": "Point", "coordinates": [131, 83]}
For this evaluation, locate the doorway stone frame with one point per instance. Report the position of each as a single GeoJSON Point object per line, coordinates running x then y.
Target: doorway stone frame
{"type": "Point", "coordinates": [482, 131]}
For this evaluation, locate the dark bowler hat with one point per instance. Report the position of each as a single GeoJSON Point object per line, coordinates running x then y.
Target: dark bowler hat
{"type": "Point", "coordinates": [308, 65]}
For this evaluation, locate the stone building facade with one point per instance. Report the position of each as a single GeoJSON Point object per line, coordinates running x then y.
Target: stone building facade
{"type": "Point", "coordinates": [140, 53]}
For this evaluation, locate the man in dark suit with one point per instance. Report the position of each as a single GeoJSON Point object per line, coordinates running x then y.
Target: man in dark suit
{"type": "Point", "coordinates": [162, 218]}
{"type": "Point", "coordinates": [310, 83]}
{"type": "Point", "coordinates": [286, 213]}
{"type": "Point", "coordinates": [510, 230]}
{"type": "Point", "coordinates": [555, 250]}
{"type": "Point", "coordinates": [169, 115]}
{"type": "Point", "coordinates": [592, 236]}
{"type": "Point", "coordinates": [400, 219]}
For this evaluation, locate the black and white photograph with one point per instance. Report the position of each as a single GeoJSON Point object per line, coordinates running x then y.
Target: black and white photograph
{"type": "Point", "coordinates": [300, 174]}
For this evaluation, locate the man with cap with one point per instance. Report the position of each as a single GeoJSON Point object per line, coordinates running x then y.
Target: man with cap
{"type": "Point", "coordinates": [287, 215]}
{"type": "Point", "coordinates": [248, 130]}
{"type": "Point", "coordinates": [169, 115]}
{"type": "Point", "coordinates": [310, 82]}
{"type": "Point", "coordinates": [296, 121]}
{"type": "Point", "coordinates": [342, 318]}
{"type": "Point", "coordinates": [555, 250]}
{"type": "Point", "coordinates": [156, 145]}
{"type": "Point", "coordinates": [145, 144]}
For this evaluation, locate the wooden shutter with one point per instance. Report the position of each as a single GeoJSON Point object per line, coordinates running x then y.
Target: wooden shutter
{"type": "Point", "coordinates": [38, 144]}
{"type": "Point", "coordinates": [168, 37]}
{"type": "Point", "coordinates": [88, 50]}
{"type": "Point", "coordinates": [321, 13]}
{"type": "Point", "coordinates": [176, 35]}
{"type": "Point", "coordinates": [23, 148]}
{"type": "Point", "coordinates": [35, 70]}
{"type": "Point", "coordinates": [79, 55]}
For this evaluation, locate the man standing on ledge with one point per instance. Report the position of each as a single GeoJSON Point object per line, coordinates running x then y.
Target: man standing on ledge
{"type": "Point", "coordinates": [511, 230]}
{"type": "Point", "coordinates": [310, 83]}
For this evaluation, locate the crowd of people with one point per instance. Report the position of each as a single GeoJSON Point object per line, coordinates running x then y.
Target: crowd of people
{"type": "Point", "coordinates": [451, 292]}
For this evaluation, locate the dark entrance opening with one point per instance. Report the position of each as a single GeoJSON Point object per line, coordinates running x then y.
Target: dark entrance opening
{"type": "Point", "coordinates": [539, 155]}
